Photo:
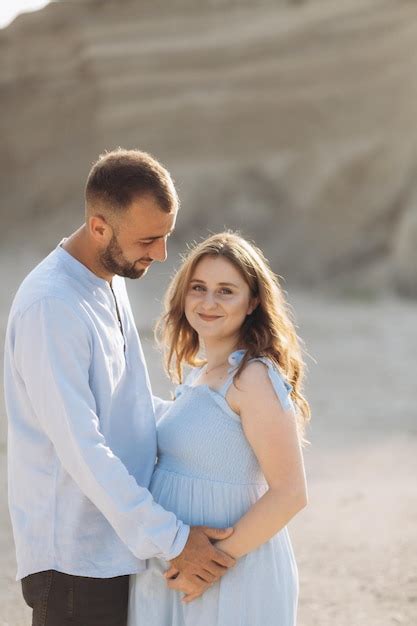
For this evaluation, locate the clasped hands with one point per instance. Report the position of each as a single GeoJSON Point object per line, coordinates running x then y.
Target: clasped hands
{"type": "Point", "coordinates": [200, 564]}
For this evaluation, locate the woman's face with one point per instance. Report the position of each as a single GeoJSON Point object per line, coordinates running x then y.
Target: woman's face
{"type": "Point", "coordinates": [218, 299]}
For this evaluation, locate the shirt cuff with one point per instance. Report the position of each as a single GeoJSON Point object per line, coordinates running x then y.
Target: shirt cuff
{"type": "Point", "coordinates": [179, 542]}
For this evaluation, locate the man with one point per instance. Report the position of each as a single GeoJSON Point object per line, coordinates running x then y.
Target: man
{"type": "Point", "coordinates": [82, 440]}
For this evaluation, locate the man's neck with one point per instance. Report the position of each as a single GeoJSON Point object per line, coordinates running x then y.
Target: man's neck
{"type": "Point", "coordinates": [82, 248]}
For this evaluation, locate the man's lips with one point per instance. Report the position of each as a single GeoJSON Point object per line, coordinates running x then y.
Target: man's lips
{"type": "Point", "coordinates": [209, 318]}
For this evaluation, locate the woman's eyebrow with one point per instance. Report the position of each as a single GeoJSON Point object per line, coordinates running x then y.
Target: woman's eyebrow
{"type": "Point", "coordinates": [197, 280]}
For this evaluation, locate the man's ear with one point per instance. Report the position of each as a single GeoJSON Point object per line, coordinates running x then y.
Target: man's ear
{"type": "Point", "coordinates": [100, 229]}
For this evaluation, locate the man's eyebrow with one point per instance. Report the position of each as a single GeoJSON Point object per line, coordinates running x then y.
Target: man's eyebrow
{"type": "Point", "coordinates": [154, 237]}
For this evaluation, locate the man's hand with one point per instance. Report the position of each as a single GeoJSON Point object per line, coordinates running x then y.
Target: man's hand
{"type": "Point", "coordinates": [190, 589]}
{"type": "Point", "coordinates": [200, 564]}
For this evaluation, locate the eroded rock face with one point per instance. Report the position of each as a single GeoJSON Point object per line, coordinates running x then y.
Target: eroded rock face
{"type": "Point", "coordinates": [294, 122]}
{"type": "Point", "coordinates": [405, 253]}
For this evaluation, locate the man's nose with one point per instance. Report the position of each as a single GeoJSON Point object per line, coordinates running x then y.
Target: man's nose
{"type": "Point", "coordinates": [158, 251]}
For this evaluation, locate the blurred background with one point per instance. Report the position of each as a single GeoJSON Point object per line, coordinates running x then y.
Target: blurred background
{"type": "Point", "coordinates": [292, 121]}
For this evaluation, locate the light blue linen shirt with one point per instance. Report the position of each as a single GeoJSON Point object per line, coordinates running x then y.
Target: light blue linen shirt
{"type": "Point", "coordinates": [82, 435]}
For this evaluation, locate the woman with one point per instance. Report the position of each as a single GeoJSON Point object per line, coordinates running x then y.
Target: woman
{"type": "Point", "coordinates": [229, 450]}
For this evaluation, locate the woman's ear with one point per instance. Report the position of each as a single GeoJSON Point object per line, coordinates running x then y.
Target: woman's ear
{"type": "Point", "coordinates": [252, 305]}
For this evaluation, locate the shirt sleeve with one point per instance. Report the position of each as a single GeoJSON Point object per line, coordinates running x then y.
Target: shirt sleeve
{"type": "Point", "coordinates": [160, 407]}
{"type": "Point", "coordinates": [52, 354]}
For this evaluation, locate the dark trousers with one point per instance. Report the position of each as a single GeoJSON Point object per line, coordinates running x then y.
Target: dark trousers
{"type": "Point", "coordinates": [63, 600]}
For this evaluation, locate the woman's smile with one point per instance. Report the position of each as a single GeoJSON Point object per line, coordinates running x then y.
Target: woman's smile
{"type": "Point", "coordinates": [209, 318]}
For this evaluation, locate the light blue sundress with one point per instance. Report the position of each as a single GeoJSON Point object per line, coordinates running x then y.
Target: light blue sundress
{"type": "Point", "coordinates": [208, 474]}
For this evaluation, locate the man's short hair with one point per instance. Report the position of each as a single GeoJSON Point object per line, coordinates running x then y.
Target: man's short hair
{"type": "Point", "coordinates": [121, 176]}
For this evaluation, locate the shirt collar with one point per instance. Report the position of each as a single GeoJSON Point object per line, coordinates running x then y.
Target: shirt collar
{"type": "Point", "coordinates": [78, 269]}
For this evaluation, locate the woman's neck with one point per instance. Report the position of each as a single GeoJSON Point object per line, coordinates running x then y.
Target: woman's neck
{"type": "Point", "coordinates": [217, 353]}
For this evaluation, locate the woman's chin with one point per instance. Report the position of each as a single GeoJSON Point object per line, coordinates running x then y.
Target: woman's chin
{"type": "Point", "coordinates": [215, 337]}
{"type": "Point", "coordinates": [209, 334]}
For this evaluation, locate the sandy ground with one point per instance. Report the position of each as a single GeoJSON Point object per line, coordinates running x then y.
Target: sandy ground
{"type": "Point", "coordinates": [356, 541]}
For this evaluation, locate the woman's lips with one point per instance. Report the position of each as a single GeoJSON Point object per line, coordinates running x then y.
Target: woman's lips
{"type": "Point", "coordinates": [209, 318]}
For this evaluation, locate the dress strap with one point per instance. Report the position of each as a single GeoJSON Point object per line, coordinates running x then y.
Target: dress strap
{"type": "Point", "coordinates": [227, 383]}
{"type": "Point", "coordinates": [281, 386]}
{"type": "Point", "coordinates": [192, 375]}
{"type": "Point", "coordinates": [188, 381]}
{"type": "Point", "coordinates": [234, 362]}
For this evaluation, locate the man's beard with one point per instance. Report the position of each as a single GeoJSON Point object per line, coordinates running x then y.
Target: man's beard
{"type": "Point", "coordinates": [115, 263]}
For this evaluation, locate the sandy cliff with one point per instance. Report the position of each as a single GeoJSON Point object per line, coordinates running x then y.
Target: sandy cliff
{"type": "Point", "coordinates": [294, 121]}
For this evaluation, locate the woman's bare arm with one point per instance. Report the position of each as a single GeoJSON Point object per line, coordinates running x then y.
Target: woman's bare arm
{"type": "Point", "coordinates": [272, 434]}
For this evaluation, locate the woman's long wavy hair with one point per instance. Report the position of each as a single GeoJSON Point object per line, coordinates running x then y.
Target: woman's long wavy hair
{"type": "Point", "coordinates": [267, 332]}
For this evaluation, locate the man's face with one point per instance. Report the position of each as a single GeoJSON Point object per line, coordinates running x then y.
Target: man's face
{"type": "Point", "coordinates": [140, 238]}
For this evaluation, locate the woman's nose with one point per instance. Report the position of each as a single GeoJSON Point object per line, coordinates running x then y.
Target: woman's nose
{"type": "Point", "coordinates": [209, 300]}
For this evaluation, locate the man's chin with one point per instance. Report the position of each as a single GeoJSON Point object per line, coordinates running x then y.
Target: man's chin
{"type": "Point", "coordinates": [141, 271]}
{"type": "Point", "coordinates": [130, 272]}
{"type": "Point", "coordinates": [133, 271]}
{"type": "Point", "coordinates": [133, 275]}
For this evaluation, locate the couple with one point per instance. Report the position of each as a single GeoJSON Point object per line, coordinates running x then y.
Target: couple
{"type": "Point", "coordinates": [201, 532]}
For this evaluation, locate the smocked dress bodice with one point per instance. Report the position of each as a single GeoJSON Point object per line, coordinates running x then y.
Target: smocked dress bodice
{"type": "Point", "coordinates": [208, 474]}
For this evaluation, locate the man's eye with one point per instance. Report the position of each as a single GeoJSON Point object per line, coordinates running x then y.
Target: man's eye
{"type": "Point", "coordinates": [145, 242]}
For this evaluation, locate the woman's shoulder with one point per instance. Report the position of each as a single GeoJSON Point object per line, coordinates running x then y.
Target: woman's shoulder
{"type": "Point", "coordinates": [261, 375]}
{"type": "Point", "coordinates": [254, 373]}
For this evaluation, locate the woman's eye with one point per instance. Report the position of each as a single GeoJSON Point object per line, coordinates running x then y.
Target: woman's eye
{"type": "Point", "coordinates": [226, 291]}
{"type": "Point", "coordinates": [197, 287]}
